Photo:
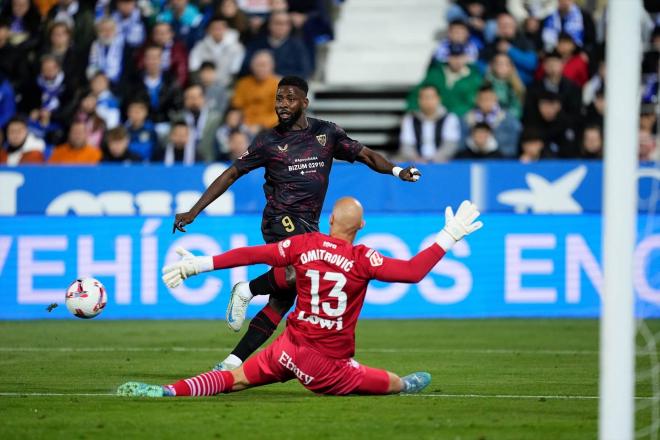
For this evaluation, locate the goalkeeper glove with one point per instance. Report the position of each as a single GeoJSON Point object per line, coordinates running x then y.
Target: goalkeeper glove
{"type": "Point", "coordinates": [459, 225]}
{"type": "Point", "coordinates": [189, 265]}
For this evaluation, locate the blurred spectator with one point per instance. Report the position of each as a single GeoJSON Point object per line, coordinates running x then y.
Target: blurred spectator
{"type": "Point", "coordinates": [94, 125]}
{"type": "Point", "coordinates": [537, 9]}
{"type": "Point", "coordinates": [41, 125]}
{"type": "Point", "coordinates": [44, 6]}
{"type": "Point", "coordinates": [557, 127]}
{"type": "Point", "coordinates": [648, 119]}
{"type": "Point", "coordinates": [237, 19]}
{"type": "Point", "coordinates": [592, 142]}
{"type": "Point", "coordinates": [311, 20]}
{"type": "Point", "coordinates": [215, 94]}
{"type": "Point", "coordinates": [202, 121]}
{"type": "Point", "coordinates": [569, 18]}
{"type": "Point", "coordinates": [597, 82]}
{"type": "Point", "coordinates": [289, 51]}
{"type": "Point", "coordinates": [174, 57]}
{"type": "Point", "coordinates": [25, 24]}
{"type": "Point", "coordinates": [233, 121]}
{"type": "Point", "coordinates": [60, 44]}
{"type": "Point", "coordinates": [554, 81]}
{"type": "Point", "coordinates": [479, 14]}
{"type": "Point", "coordinates": [130, 23]}
{"type": "Point", "coordinates": [21, 146]}
{"type": "Point", "coordinates": [531, 29]}
{"type": "Point", "coordinates": [116, 147]}
{"type": "Point", "coordinates": [185, 20]}
{"type": "Point", "coordinates": [431, 134]}
{"type": "Point", "coordinates": [179, 149]}
{"type": "Point", "coordinates": [257, 12]}
{"type": "Point", "coordinates": [455, 80]}
{"type": "Point", "coordinates": [595, 113]}
{"type": "Point", "coordinates": [50, 90]}
{"type": "Point", "coordinates": [514, 44]}
{"type": "Point", "coordinates": [142, 135]}
{"type": "Point", "coordinates": [7, 100]}
{"type": "Point", "coordinates": [505, 127]}
{"type": "Point", "coordinates": [648, 148]}
{"type": "Point", "coordinates": [576, 62]}
{"type": "Point", "coordinates": [220, 46]}
{"type": "Point", "coordinates": [238, 142]}
{"type": "Point", "coordinates": [107, 52]}
{"type": "Point", "coordinates": [76, 150]}
{"type": "Point", "coordinates": [255, 94]}
{"type": "Point", "coordinates": [481, 144]}
{"type": "Point", "coordinates": [508, 87]}
{"type": "Point", "coordinates": [532, 147]}
{"type": "Point", "coordinates": [9, 57]}
{"type": "Point", "coordinates": [107, 104]}
{"type": "Point", "coordinates": [80, 17]}
{"type": "Point", "coordinates": [457, 33]}
{"type": "Point", "coordinates": [157, 87]}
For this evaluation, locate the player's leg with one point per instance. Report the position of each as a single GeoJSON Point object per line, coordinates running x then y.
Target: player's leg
{"type": "Point", "coordinates": [378, 382]}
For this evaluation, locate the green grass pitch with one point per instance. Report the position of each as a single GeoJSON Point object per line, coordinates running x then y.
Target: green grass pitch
{"type": "Point", "coordinates": [492, 379]}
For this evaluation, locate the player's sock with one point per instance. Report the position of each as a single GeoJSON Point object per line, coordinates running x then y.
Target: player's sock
{"type": "Point", "coordinates": [262, 284]}
{"type": "Point", "coordinates": [261, 327]}
{"type": "Point", "coordinates": [205, 384]}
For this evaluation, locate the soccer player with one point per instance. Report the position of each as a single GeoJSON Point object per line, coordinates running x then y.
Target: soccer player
{"type": "Point", "coordinates": [318, 342]}
{"type": "Point", "coordinates": [297, 155]}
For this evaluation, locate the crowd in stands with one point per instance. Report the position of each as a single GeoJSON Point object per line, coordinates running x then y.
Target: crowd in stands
{"type": "Point", "coordinates": [133, 81]}
{"type": "Point", "coordinates": [523, 79]}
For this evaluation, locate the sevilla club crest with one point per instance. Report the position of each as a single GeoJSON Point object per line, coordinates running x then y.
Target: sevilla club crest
{"type": "Point", "coordinates": [322, 139]}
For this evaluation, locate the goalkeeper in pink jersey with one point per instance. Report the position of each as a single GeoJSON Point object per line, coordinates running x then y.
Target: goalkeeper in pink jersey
{"type": "Point", "coordinates": [318, 344]}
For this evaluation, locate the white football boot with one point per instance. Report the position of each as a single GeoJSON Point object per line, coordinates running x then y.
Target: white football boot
{"type": "Point", "coordinates": [238, 304]}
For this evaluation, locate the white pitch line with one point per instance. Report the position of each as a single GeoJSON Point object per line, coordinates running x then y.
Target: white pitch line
{"type": "Point", "coordinates": [56, 394]}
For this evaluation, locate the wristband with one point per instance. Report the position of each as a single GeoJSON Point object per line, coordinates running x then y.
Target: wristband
{"type": "Point", "coordinates": [445, 240]}
{"type": "Point", "coordinates": [204, 264]}
{"type": "Point", "coordinates": [396, 171]}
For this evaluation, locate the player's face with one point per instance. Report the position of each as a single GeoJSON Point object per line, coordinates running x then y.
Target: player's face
{"type": "Point", "coordinates": [290, 103]}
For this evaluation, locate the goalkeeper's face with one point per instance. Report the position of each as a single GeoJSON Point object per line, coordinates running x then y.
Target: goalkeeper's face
{"type": "Point", "coordinates": [290, 104]}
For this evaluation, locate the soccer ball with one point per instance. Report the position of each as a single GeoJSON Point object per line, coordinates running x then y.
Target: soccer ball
{"type": "Point", "coordinates": [86, 298]}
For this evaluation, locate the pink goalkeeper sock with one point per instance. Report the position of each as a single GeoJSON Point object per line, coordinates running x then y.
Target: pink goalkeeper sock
{"type": "Point", "coordinates": [205, 384]}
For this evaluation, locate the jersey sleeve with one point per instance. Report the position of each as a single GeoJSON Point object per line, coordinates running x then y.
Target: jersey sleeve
{"type": "Point", "coordinates": [402, 271]}
{"type": "Point", "coordinates": [278, 254]}
{"type": "Point", "coordinates": [345, 148]}
{"type": "Point", "coordinates": [253, 158]}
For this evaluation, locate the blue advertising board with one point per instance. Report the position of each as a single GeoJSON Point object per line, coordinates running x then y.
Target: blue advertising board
{"type": "Point", "coordinates": [516, 266]}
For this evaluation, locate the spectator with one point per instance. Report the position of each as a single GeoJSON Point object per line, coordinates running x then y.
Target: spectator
{"type": "Point", "coordinates": [7, 101]}
{"type": "Point", "coordinates": [116, 147]}
{"type": "Point", "coordinates": [25, 24]}
{"type": "Point", "coordinates": [479, 15]}
{"type": "Point", "coordinates": [107, 52]}
{"type": "Point", "coordinates": [238, 144]}
{"type": "Point", "coordinates": [255, 94]}
{"type": "Point", "coordinates": [532, 147]}
{"type": "Point", "coordinates": [457, 33]}
{"type": "Point", "coordinates": [76, 151]}
{"type": "Point", "coordinates": [9, 57]}
{"type": "Point", "coordinates": [94, 125]}
{"type": "Point", "coordinates": [531, 29]}
{"type": "Point", "coordinates": [80, 17]}
{"type": "Point", "coordinates": [179, 149]}
{"type": "Point", "coordinates": [130, 23]}
{"type": "Point", "coordinates": [592, 142]}
{"type": "Point", "coordinates": [41, 125]}
{"type": "Point", "coordinates": [21, 146]}
{"type": "Point", "coordinates": [143, 140]}
{"type": "Point", "coordinates": [557, 127]}
{"type": "Point", "coordinates": [215, 94]}
{"type": "Point", "coordinates": [648, 148]}
{"type": "Point", "coordinates": [202, 121]}
{"type": "Point", "coordinates": [595, 114]}
{"type": "Point", "coordinates": [537, 9]}
{"type": "Point", "coordinates": [431, 134]}
{"type": "Point", "coordinates": [505, 127]}
{"type": "Point", "coordinates": [311, 20]}
{"type": "Point", "coordinates": [233, 122]}
{"type": "Point", "coordinates": [107, 104]}
{"type": "Point", "coordinates": [569, 18]}
{"type": "Point", "coordinates": [596, 83]}
{"type": "Point", "coordinates": [60, 45]}
{"type": "Point", "coordinates": [481, 144]}
{"type": "Point", "coordinates": [220, 46]}
{"type": "Point", "coordinates": [174, 58]}
{"type": "Point", "coordinates": [185, 20]}
{"type": "Point", "coordinates": [554, 81]}
{"type": "Point", "coordinates": [289, 51]}
{"type": "Point", "coordinates": [576, 63]}
{"type": "Point", "coordinates": [508, 87]}
{"type": "Point", "coordinates": [51, 91]}
{"type": "Point", "coordinates": [235, 18]}
{"type": "Point", "coordinates": [157, 87]}
{"type": "Point", "coordinates": [514, 44]}
{"type": "Point", "coordinates": [648, 119]}
{"type": "Point", "coordinates": [455, 80]}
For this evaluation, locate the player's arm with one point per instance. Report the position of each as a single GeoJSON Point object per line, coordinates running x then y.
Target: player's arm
{"type": "Point", "coordinates": [414, 270]}
{"type": "Point", "coordinates": [380, 164]}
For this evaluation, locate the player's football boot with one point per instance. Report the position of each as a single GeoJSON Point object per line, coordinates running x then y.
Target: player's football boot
{"type": "Point", "coordinates": [238, 304]}
{"type": "Point", "coordinates": [415, 382]}
{"type": "Point", "coordinates": [230, 363]}
{"type": "Point", "coordinates": [139, 389]}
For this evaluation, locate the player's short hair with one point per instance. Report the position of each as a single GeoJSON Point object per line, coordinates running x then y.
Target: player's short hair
{"type": "Point", "coordinates": [116, 134]}
{"type": "Point", "coordinates": [294, 81]}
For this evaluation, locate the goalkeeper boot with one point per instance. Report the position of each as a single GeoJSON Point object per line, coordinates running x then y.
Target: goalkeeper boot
{"type": "Point", "coordinates": [232, 362]}
{"type": "Point", "coordinates": [415, 382]}
{"type": "Point", "coordinates": [139, 389]}
{"type": "Point", "coordinates": [238, 304]}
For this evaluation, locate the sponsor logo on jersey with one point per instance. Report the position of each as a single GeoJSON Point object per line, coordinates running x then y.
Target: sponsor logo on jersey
{"type": "Point", "coordinates": [283, 245]}
{"type": "Point", "coordinates": [324, 323]}
{"type": "Point", "coordinates": [375, 259]}
{"type": "Point", "coordinates": [286, 362]}
{"type": "Point", "coordinates": [283, 148]}
{"type": "Point", "coordinates": [322, 139]}
{"type": "Point", "coordinates": [330, 245]}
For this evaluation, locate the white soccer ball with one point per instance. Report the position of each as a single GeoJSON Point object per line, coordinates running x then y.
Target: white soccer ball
{"type": "Point", "coordinates": [86, 298]}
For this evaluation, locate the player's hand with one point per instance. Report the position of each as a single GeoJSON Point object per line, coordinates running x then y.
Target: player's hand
{"type": "Point", "coordinates": [410, 174]}
{"type": "Point", "coordinates": [189, 265]}
{"type": "Point", "coordinates": [181, 220]}
{"type": "Point", "coordinates": [459, 225]}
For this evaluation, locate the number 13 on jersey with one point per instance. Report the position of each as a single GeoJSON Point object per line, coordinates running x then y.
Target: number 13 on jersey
{"type": "Point", "coordinates": [339, 281]}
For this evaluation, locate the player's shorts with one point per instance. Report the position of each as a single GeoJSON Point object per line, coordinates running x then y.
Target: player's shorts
{"type": "Point", "coordinates": [284, 360]}
{"type": "Point", "coordinates": [278, 228]}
